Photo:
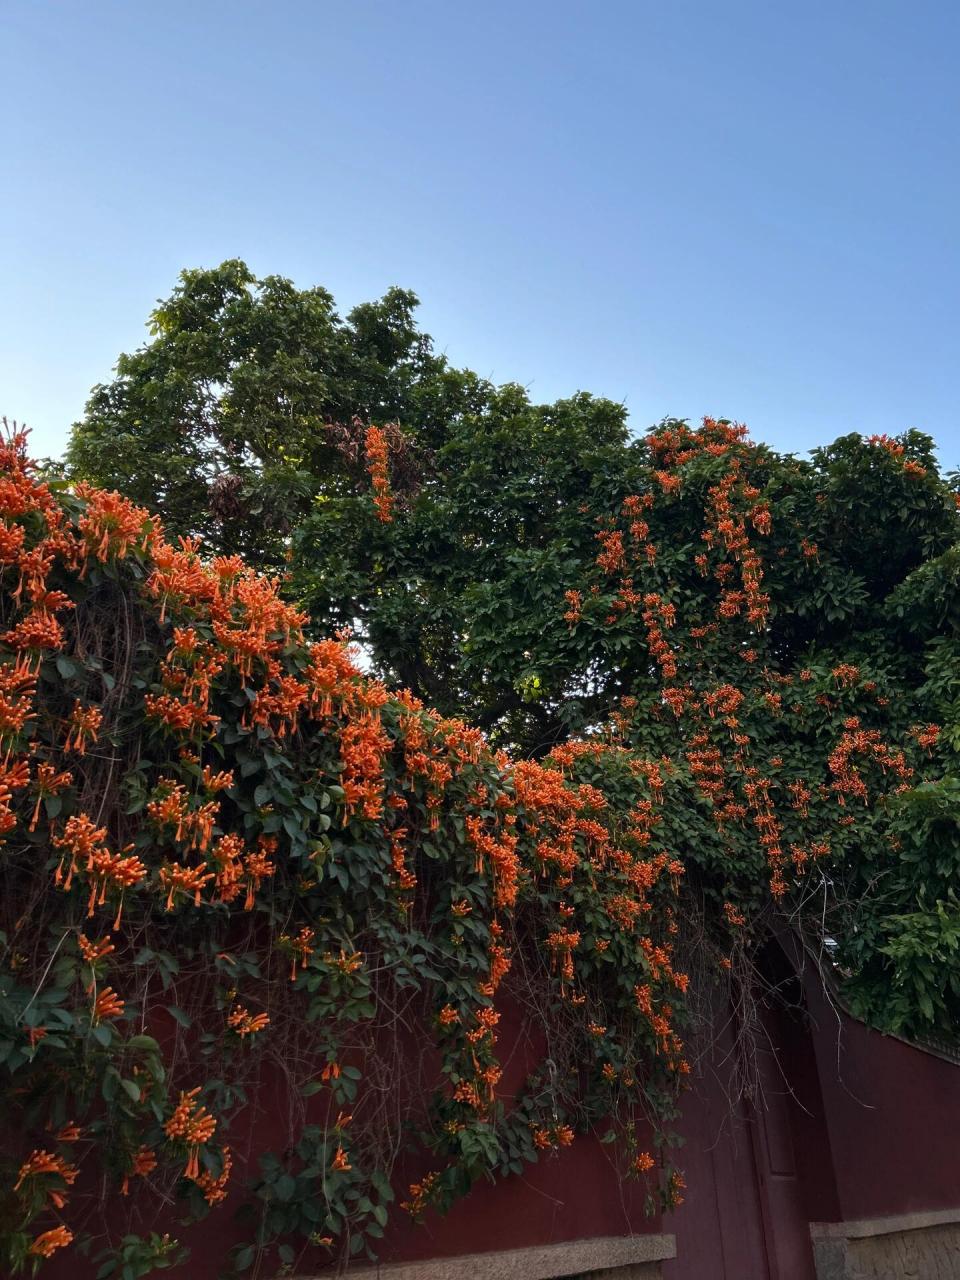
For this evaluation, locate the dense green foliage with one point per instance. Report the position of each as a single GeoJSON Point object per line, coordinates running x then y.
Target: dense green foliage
{"type": "Point", "coordinates": [752, 658]}
{"type": "Point", "coordinates": [225, 419]}
{"type": "Point", "coordinates": [235, 421]}
{"type": "Point", "coordinates": [239, 877]}
{"type": "Point", "coordinates": [498, 505]}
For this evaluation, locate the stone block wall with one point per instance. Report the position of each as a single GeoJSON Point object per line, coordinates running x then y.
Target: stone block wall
{"type": "Point", "coordinates": [911, 1247]}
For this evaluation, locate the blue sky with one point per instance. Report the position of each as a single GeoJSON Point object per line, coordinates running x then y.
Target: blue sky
{"type": "Point", "coordinates": [743, 209]}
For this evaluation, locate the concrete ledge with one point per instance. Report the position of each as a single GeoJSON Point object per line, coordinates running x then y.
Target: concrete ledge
{"type": "Point", "coordinates": [543, 1262]}
{"type": "Point", "coordinates": [909, 1246]}
{"type": "Point", "coordinates": [864, 1228]}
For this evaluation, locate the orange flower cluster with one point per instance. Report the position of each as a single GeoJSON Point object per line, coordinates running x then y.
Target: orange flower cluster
{"type": "Point", "coordinates": [331, 675]}
{"type": "Point", "coordinates": [13, 777]}
{"type": "Point", "coordinates": [574, 840]}
{"type": "Point", "coordinates": [41, 1164]}
{"type": "Point", "coordinates": [926, 736]}
{"type": "Point", "coordinates": [49, 782]}
{"type": "Point", "coordinates": [107, 872]}
{"type": "Point", "coordinates": [345, 962]}
{"type": "Point", "coordinates": [562, 943]}
{"type": "Point", "coordinates": [499, 848]}
{"type": "Point", "coordinates": [250, 624]}
{"type": "Point", "coordinates": [612, 557]}
{"type": "Point", "coordinates": [500, 963]}
{"type": "Point", "coordinates": [144, 1162]}
{"type": "Point", "coordinates": [300, 946]}
{"type": "Point", "coordinates": [17, 688]}
{"type": "Point", "coordinates": [655, 612]}
{"type": "Point", "coordinates": [378, 455]}
{"type": "Point", "coordinates": [107, 1005]}
{"type": "Point", "coordinates": [245, 1023]}
{"type": "Point", "coordinates": [448, 1016]}
{"type": "Point", "coordinates": [81, 839]}
{"type": "Point", "coordinates": [726, 528]}
{"type": "Point", "coordinates": [84, 726]}
{"type": "Point", "coordinates": [888, 444]}
{"type": "Point", "coordinates": [866, 743]}
{"type": "Point", "coordinates": [574, 607]}
{"type": "Point", "coordinates": [364, 744]}
{"type": "Point", "coordinates": [227, 856]}
{"type": "Point", "coordinates": [257, 867]}
{"type": "Point", "coordinates": [215, 1188]}
{"type": "Point", "coordinates": [421, 1194]}
{"type": "Point", "coordinates": [802, 795]}
{"type": "Point", "coordinates": [48, 1242]}
{"type": "Point", "coordinates": [192, 1124]}
{"type": "Point", "coordinates": [845, 674]}
{"type": "Point", "coordinates": [552, 1138]}
{"type": "Point", "coordinates": [177, 879]}
{"type": "Point", "coordinates": [111, 525]}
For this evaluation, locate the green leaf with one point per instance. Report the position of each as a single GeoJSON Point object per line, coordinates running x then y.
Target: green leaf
{"type": "Point", "coordinates": [143, 1042]}
{"type": "Point", "coordinates": [132, 1089]}
{"type": "Point", "coordinates": [244, 1257]}
{"type": "Point", "coordinates": [285, 1187]}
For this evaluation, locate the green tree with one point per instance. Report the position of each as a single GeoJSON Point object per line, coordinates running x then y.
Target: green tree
{"type": "Point", "coordinates": [242, 421]}
{"type": "Point", "coordinates": [222, 421]}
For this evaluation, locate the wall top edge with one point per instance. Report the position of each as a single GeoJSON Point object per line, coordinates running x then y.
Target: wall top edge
{"type": "Point", "coordinates": [862, 1228]}
{"type": "Point", "coordinates": [539, 1262]}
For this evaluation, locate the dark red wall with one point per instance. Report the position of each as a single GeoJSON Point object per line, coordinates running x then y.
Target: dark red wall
{"type": "Point", "coordinates": [849, 1124]}
{"type": "Point", "coordinates": [571, 1194]}
{"type": "Point", "coordinates": [893, 1115]}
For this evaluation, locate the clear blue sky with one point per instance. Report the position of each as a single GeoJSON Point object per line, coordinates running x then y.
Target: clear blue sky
{"type": "Point", "coordinates": [744, 209]}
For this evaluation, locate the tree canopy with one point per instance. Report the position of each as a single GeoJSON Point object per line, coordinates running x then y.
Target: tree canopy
{"type": "Point", "coordinates": [243, 420]}
{"type": "Point", "coordinates": [227, 419]}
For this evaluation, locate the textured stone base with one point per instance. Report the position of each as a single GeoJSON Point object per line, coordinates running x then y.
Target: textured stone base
{"type": "Point", "coordinates": [602, 1258]}
{"type": "Point", "coordinates": [914, 1247]}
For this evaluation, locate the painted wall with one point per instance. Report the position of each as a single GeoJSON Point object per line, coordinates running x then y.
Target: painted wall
{"type": "Point", "coordinates": [893, 1116]}
{"type": "Point", "coordinates": [849, 1125]}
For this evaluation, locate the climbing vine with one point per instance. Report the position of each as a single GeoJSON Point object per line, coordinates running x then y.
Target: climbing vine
{"type": "Point", "coordinates": [231, 857]}
{"type": "Point", "coordinates": [235, 863]}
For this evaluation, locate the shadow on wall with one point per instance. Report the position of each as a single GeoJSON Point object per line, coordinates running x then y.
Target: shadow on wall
{"type": "Point", "coordinates": [843, 1165]}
